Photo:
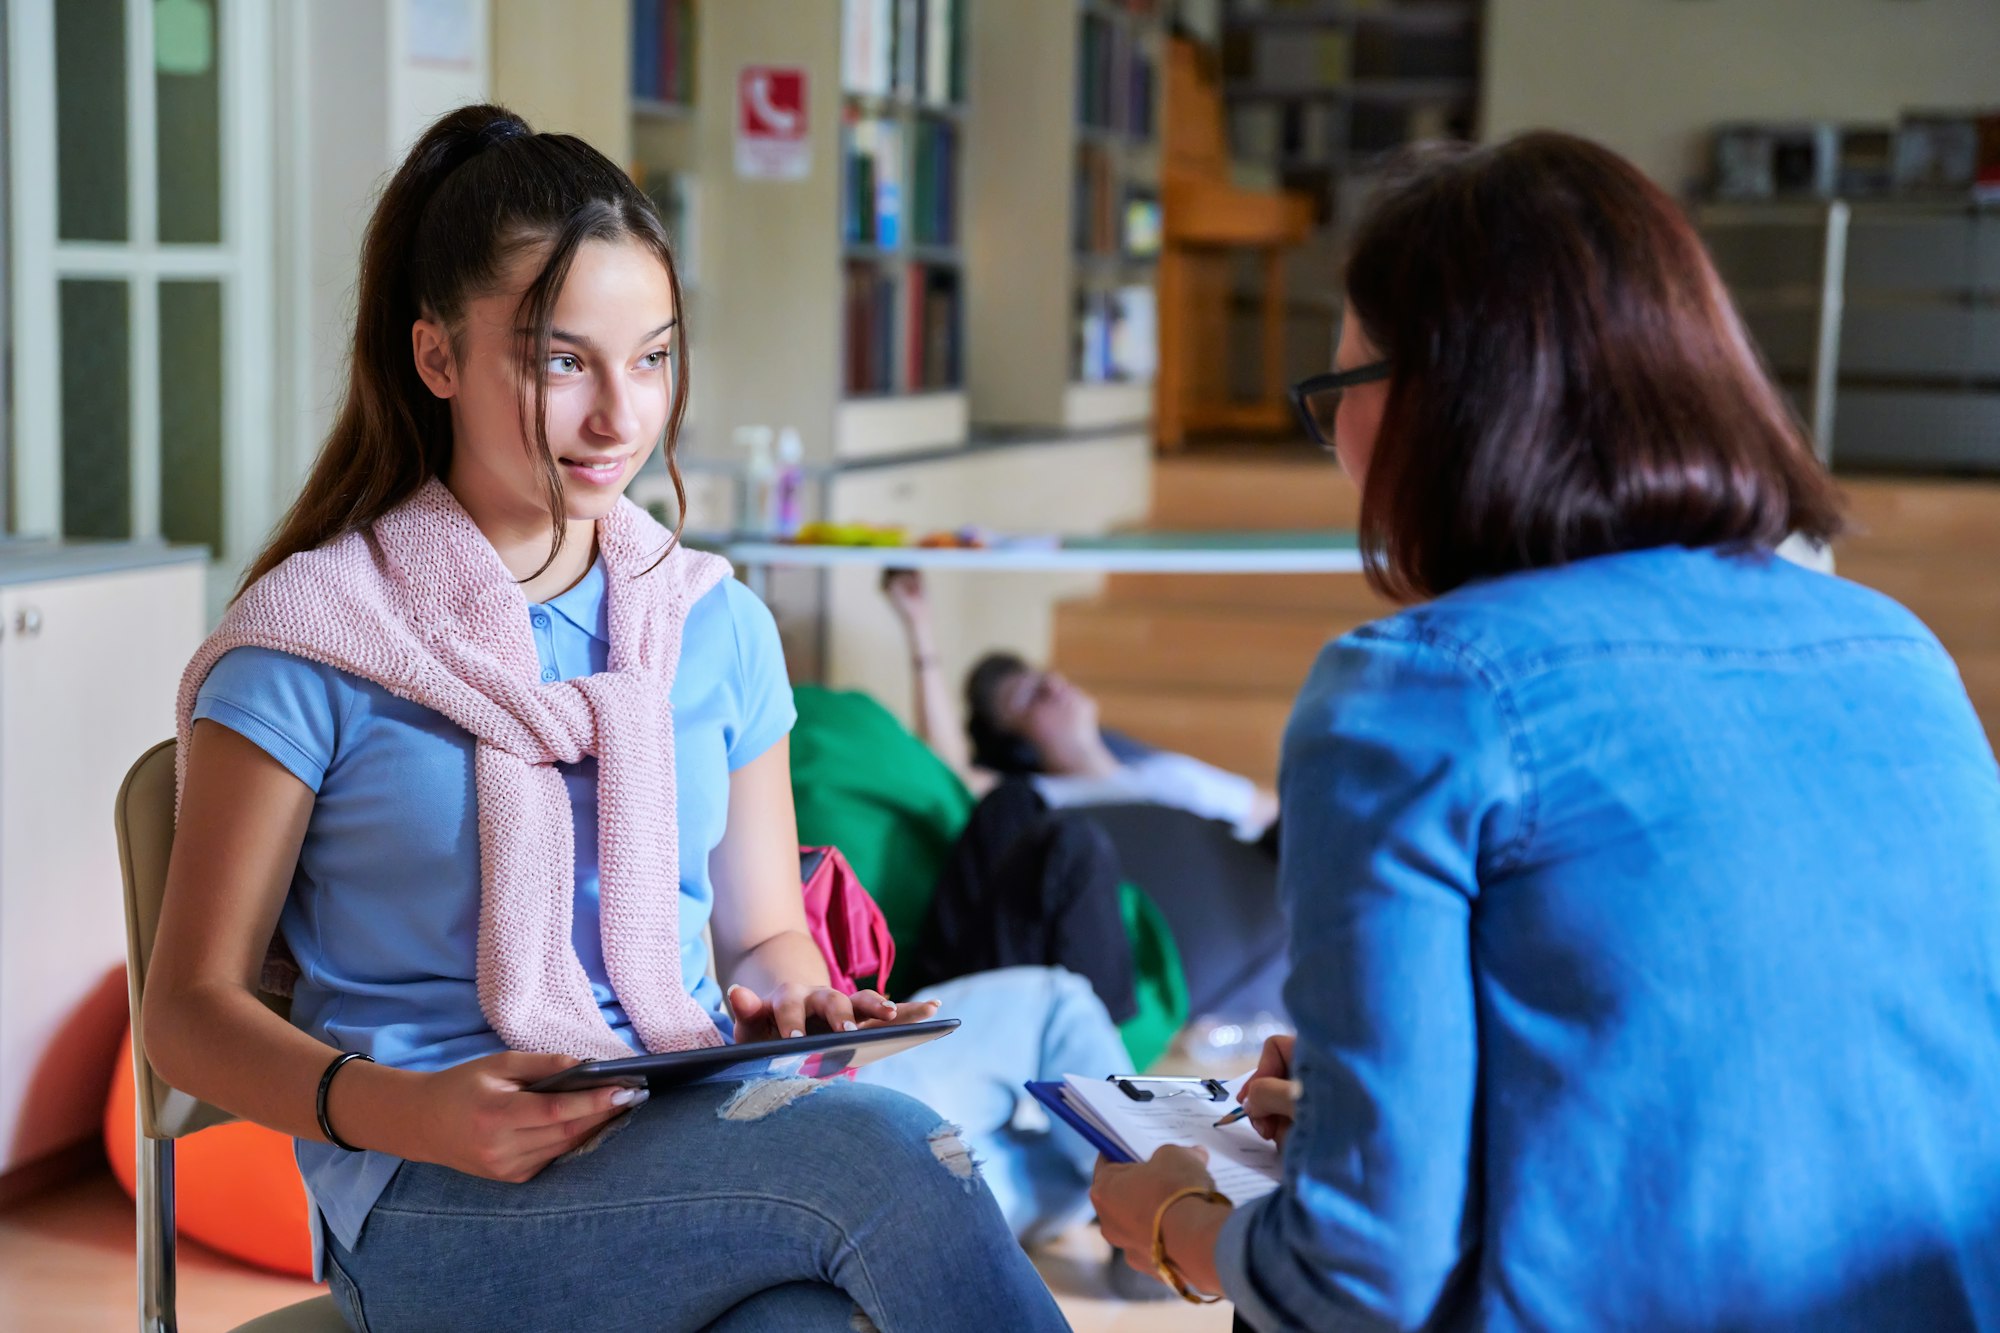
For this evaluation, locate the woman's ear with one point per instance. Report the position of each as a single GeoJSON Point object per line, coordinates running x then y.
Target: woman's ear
{"type": "Point", "coordinates": [431, 345]}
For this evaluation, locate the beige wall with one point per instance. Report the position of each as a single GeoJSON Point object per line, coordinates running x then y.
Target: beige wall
{"type": "Point", "coordinates": [566, 68]}
{"type": "Point", "coordinates": [1648, 77]}
{"type": "Point", "coordinates": [351, 100]}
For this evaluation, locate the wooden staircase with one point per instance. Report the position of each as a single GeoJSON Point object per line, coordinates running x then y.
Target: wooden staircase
{"type": "Point", "coordinates": [1209, 664]}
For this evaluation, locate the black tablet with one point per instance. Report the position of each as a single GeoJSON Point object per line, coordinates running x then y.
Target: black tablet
{"type": "Point", "coordinates": [819, 1056]}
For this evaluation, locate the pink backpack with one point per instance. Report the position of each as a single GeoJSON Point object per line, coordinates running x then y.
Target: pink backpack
{"type": "Point", "coordinates": [845, 922]}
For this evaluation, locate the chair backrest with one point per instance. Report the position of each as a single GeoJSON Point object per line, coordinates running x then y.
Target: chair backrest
{"type": "Point", "coordinates": [1196, 141]}
{"type": "Point", "coordinates": [144, 814]}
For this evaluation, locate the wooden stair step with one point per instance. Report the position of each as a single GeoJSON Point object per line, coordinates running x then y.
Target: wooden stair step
{"type": "Point", "coordinates": [1283, 490]}
{"type": "Point", "coordinates": [1338, 596]}
{"type": "Point", "coordinates": [1948, 521]}
{"type": "Point", "coordinates": [1100, 642]}
{"type": "Point", "coordinates": [1963, 612]}
{"type": "Point", "coordinates": [1240, 732]}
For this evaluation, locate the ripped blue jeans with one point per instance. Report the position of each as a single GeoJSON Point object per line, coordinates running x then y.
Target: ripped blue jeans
{"type": "Point", "coordinates": [1018, 1023]}
{"type": "Point", "coordinates": [847, 1206]}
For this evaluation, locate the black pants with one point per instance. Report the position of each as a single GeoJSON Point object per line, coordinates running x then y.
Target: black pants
{"type": "Point", "coordinates": [1026, 885]}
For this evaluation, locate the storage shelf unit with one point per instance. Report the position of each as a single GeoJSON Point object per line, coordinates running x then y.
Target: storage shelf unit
{"type": "Point", "coordinates": [780, 333]}
{"type": "Point", "coordinates": [1324, 92]}
{"type": "Point", "coordinates": [1065, 329]}
{"type": "Point", "coordinates": [1916, 370]}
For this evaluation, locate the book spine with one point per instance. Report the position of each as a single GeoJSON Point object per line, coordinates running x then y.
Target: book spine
{"type": "Point", "coordinates": [645, 48]}
{"type": "Point", "coordinates": [914, 337]}
{"type": "Point", "coordinates": [889, 186]}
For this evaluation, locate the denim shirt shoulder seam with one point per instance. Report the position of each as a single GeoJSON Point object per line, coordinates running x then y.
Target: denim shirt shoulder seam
{"type": "Point", "coordinates": [1563, 656]}
{"type": "Point", "coordinates": [1519, 750]}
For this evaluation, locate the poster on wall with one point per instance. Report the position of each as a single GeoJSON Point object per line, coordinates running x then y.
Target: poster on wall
{"type": "Point", "coordinates": [444, 33]}
{"type": "Point", "coordinates": [771, 141]}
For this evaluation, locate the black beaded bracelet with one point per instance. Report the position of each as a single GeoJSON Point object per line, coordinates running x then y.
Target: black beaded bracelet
{"type": "Point", "coordinates": [326, 1082]}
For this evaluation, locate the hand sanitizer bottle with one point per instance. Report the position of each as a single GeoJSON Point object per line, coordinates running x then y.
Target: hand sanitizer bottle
{"type": "Point", "coordinates": [789, 490]}
{"type": "Point", "coordinates": [756, 499]}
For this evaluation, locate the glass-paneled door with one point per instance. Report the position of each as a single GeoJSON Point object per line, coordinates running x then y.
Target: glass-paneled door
{"type": "Point", "coordinates": [141, 200]}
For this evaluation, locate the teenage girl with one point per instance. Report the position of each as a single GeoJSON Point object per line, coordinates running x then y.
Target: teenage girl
{"type": "Point", "coordinates": [460, 618]}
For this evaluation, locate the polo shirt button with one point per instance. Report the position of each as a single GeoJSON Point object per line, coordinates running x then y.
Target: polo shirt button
{"type": "Point", "coordinates": [548, 674]}
{"type": "Point", "coordinates": [540, 619]}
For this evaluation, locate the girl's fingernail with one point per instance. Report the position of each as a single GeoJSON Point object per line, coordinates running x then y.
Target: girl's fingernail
{"type": "Point", "coordinates": [850, 1026]}
{"type": "Point", "coordinates": [890, 1005]}
{"type": "Point", "coordinates": [795, 1033]}
{"type": "Point", "coordinates": [628, 1096]}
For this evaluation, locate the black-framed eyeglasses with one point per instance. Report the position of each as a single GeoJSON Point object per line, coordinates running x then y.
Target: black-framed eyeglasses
{"type": "Point", "coordinates": [1317, 399]}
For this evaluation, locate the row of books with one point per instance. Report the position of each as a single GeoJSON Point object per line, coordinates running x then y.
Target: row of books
{"type": "Point", "coordinates": [1111, 218]}
{"type": "Point", "coordinates": [900, 182]}
{"type": "Point", "coordinates": [1298, 57]}
{"type": "Point", "coordinates": [663, 50]}
{"type": "Point", "coordinates": [1287, 57]}
{"type": "Point", "coordinates": [1117, 335]}
{"type": "Point", "coordinates": [1296, 133]}
{"type": "Point", "coordinates": [1117, 83]}
{"type": "Point", "coordinates": [902, 326]}
{"type": "Point", "coordinates": [1356, 8]}
{"type": "Point", "coordinates": [904, 48]}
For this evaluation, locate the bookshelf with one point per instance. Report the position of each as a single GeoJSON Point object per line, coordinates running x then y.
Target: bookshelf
{"type": "Point", "coordinates": [1323, 92]}
{"type": "Point", "coordinates": [809, 312]}
{"type": "Point", "coordinates": [1076, 349]}
{"type": "Point", "coordinates": [837, 295]}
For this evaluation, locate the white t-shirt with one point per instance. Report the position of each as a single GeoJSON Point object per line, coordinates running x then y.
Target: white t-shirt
{"type": "Point", "coordinates": [1176, 780]}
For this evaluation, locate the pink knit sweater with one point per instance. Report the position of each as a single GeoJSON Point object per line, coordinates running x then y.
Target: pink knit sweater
{"type": "Point", "coordinates": [421, 605]}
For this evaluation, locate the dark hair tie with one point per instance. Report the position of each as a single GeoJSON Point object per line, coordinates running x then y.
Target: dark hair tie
{"type": "Point", "coordinates": [476, 144]}
{"type": "Point", "coordinates": [494, 131]}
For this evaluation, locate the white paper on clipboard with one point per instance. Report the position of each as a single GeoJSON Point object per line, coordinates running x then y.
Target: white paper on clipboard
{"type": "Point", "coordinates": [1244, 1166]}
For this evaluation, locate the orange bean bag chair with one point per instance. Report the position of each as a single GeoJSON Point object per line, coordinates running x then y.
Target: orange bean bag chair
{"type": "Point", "coordinates": [236, 1186]}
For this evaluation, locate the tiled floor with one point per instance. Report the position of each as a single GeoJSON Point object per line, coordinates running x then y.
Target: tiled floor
{"type": "Point", "coordinates": [66, 1266]}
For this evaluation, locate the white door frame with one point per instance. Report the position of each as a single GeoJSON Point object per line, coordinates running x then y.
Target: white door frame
{"type": "Point", "coordinates": [242, 263]}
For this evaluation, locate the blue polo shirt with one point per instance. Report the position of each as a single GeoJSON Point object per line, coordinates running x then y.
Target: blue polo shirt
{"type": "Point", "coordinates": [383, 913]}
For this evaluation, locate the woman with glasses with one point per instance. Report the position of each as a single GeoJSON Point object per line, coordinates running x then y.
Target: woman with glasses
{"type": "Point", "coordinates": [1644, 887]}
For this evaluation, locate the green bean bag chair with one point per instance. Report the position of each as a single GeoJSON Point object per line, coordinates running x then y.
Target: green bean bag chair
{"type": "Point", "coordinates": [867, 786]}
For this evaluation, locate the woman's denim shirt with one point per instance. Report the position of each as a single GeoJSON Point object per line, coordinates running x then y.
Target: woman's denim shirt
{"type": "Point", "coordinates": [1646, 964]}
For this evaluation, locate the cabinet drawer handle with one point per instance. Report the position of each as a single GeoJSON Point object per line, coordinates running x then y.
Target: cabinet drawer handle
{"type": "Point", "coordinates": [28, 622]}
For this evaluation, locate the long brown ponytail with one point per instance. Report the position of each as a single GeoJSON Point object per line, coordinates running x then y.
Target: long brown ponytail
{"type": "Point", "coordinates": [479, 188]}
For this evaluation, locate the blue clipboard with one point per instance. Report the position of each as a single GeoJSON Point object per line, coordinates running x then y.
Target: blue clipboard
{"type": "Point", "coordinates": [1051, 1096]}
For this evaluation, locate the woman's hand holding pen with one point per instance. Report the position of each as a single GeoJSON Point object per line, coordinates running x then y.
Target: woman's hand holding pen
{"type": "Point", "coordinates": [1271, 1097]}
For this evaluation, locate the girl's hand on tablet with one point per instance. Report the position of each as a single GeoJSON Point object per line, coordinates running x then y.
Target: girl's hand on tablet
{"type": "Point", "coordinates": [792, 1010]}
{"type": "Point", "coordinates": [479, 1118]}
{"type": "Point", "coordinates": [907, 1011]}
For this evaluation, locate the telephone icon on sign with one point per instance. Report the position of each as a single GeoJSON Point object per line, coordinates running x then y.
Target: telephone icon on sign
{"type": "Point", "coordinates": [782, 121]}
{"type": "Point", "coordinates": [772, 142]}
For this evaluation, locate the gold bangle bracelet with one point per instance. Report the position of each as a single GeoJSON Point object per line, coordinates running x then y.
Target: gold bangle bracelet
{"type": "Point", "coordinates": [1163, 1267]}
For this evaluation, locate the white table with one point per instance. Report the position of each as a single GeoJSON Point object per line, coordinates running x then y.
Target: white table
{"type": "Point", "coordinates": [1321, 551]}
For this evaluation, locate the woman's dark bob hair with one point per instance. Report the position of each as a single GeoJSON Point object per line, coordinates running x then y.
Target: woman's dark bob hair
{"type": "Point", "coordinates": [1569, 376]}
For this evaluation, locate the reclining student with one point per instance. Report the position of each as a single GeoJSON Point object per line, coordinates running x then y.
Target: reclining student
{"type": "Point", "coordinates": [1034, 723]}
{"type": "Point", "coordinates": [486, 748]}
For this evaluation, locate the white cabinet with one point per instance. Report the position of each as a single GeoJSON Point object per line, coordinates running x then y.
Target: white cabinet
{"type": "Point", "coordinates": [92, 643]}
